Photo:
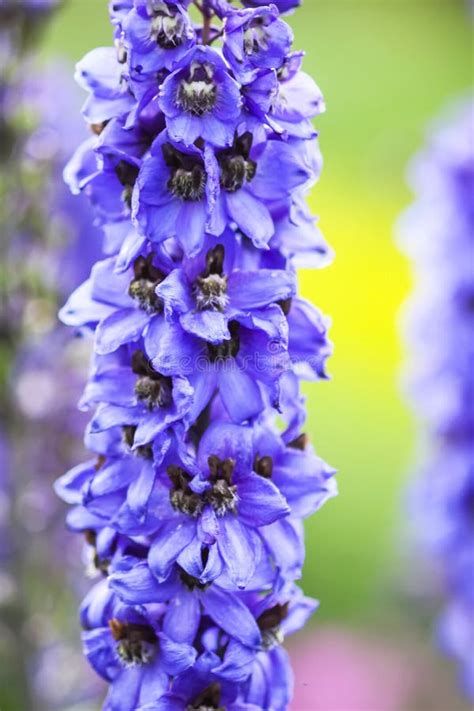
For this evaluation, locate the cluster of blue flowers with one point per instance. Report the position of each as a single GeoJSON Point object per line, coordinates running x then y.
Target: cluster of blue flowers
{"type": "Point", "coordinates": [201, 154]}
{"type": "Point", "coordinates": [438, 234]}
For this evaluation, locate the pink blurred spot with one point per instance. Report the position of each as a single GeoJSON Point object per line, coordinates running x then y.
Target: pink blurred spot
{"type": "Point", "coordinates": [338, 671]}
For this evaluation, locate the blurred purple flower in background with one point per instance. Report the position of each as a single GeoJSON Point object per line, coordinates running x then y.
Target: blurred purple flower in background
{"type": "Point", "coordinates": [48, 242]}
{"type": "Point", "coordinates": [437, 233]}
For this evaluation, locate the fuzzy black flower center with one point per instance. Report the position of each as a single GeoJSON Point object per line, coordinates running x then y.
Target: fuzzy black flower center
{"type": "Point", "coordinates": [182, 497]}
{"type": "Point", "coordinates": [188, 176]}
{"type": "Point", "coordinates": [269, 624]}
{"type": "Point", "coordinates": [143, 286]}
{"type": "Point", "coordinates": [127, 174]}
{"type": "Point", "coordinates": [136, 644]}
{"type": "Point", "coordinates": [197, 92]}
{"type": "Point", "coordinates": [99, 564]}
{"type": "Point", "coordinates": [190, 582]}
{"type": "Point", "coordinates": [167, 25]}
{"type": "Point", "coordinates": [145, 451]}
{"type": "Point", "coordinates": [221, 495]}
{"type": "Point", "coordinates": [256, 36]}
{"type": "Point", "coordinates": [152, 388]}
{"type": "Point", "coordinates": [208, 700]}
{"type": "Point", "coordinates": [236, 166]}
{"type": "Point", "coordinates": [210, 288]}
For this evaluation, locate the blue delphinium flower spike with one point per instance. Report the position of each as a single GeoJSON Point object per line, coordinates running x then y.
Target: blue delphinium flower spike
{"type": "Point", "coordinates": [200, 156]}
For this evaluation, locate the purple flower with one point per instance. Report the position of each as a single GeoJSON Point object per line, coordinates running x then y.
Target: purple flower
{"type": "Point", "coordinates": [129, 649]}
{"type": "Point", "coordinates": [201, 688]}
{"type": "Point", "coordinates": [118, 11]}
{"type": "Point", "coordinates": [281, 613]}
{"type": "Point", "coordinates": [220, 503]}
{"type": "Point", "coordinates": [205, 295]}
{"type": "Point", "coordinates": [157, 35]}
{"type": "Point", "coordinates": [298, 99]}
{"type": "Point", "coordinates": [277, 461]}
{"type": "Point", "coordinates": [174, 195]}
{"type": "Point", "coordinates": [254, 178]}
{"type": "Point", "coordinates": [442, 503]}
{"type": "Point", "coordinates": [119, 307]}
{"type": "Point", "coordinates": [191, 601]}
{"type": "Point", "coordinates": [244, 646]}
{"type": "Point", "coordinates": [106, 167]}
{"type": "Point", "coordinates": [437, 232]}
{"type": "Point", "coordinates": [454, 634]}
{"type": "Point", "coordinates": [113, 490]}
{"type": "Point", "coordinates": [308, 342]}
{"type": "Point", "coordinates": [256, 39]}
{"type": "Point", "coordinates": [145, 400]}
{"type": "Point", "coordinates": [101, 74]}
{"type": "Point", "coordinates": [244, 368]}
{"type": "Point", "coordinates": [201, 100]}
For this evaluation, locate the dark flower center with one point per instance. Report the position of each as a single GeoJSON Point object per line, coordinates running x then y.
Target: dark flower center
{"type": "Point", "coordinates": [188, 177]}
{"type": "Point", "coordinates": [182, 497]}
{"type": "Point", "coordinates": [121, 50]}
{"type": "Point", "coordinates": [153, 388]}
{"type": "Point", "coordinates": [190, 582]}
{"type": "Point", "coordinates": [97, 128]}
{"type": "Point", "coordinates": [145, 451]}
{"type": "Point", "coordinates": [300, 442]}
{"type": "Point", "coordinates": [136, 644]}
{"type": "Point", "coordinates": [167, 25]}
{"type": "Point", "coordinates": [285, 305]}
{"type": "Point", "coordinates": [291, 64]}
{"type": "Point", "coordinates": [210, 288]}
{"type": "Point", "coordinates": [143, 286]}
{"type": "Point", "coordinates": [256, 36]}
{"type": "Point", "coordinates": [236, 166]}
{"type": "Point", "coordinates": [127, 174]}
{"type": "Point", "coordinates": [221, 495]}
{"type": "Point", "coordinates": [263, 466]}
{"type": "Point", "coordinates": [102, 565]}
{"type": "Point", "coordinates": [226, 349]}
{"type": "Point", "coordinates": [208, 700]}
{"type": "Point", "coordinates": [197, 93]}
{"type": "Point", "coordinates": [269, 624]}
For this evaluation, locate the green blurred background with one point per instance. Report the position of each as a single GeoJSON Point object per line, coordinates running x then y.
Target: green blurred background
{"type": "Point", "coordinates": [386, 68]}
